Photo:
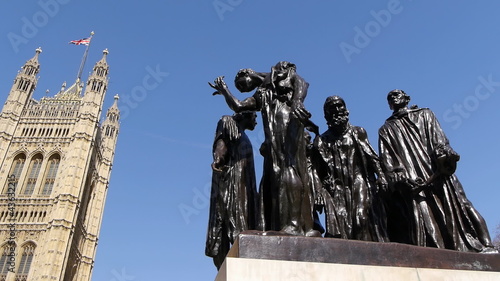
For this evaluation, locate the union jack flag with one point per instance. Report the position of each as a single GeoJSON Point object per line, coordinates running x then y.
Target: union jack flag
{"type": "Point", "coordinates": [84, 41]}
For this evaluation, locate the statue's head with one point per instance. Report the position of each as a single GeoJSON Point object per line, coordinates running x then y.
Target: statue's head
{"type": "Point", "coordinates": [283, 69]}
{"type": "Point", "coordinates": [247, 80]}
{"type": "Point", "coordinates": [397, 99]}
{"type": "Point", "coordinates": [309, 143]}
{"type": "Point", "coordinates": [335, 111]}
{"type": "Point", "coordinates": [284, 66]}
{"type": "Point", "coordinates": [246, 118]}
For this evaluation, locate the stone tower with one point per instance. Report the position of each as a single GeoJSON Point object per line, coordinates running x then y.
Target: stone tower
{"type": "Point", "coordinates": [55, 164]}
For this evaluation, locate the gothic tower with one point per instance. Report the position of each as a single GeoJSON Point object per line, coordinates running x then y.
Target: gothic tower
{"type": "Point", "coordinates": [55, 165]}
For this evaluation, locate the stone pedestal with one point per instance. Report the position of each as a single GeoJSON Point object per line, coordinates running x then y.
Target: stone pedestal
{"type": "Point", "coordinates": [256, 257]}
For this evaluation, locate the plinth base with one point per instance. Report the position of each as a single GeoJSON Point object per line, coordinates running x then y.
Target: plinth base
{"type": "Point", "coordinates": [256, 257]}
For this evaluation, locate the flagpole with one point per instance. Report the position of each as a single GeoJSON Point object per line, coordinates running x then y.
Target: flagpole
{"type": "Point", "coordinates": [84, 59]}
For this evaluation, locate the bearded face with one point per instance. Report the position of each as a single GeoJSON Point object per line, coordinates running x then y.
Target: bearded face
{"type": "Point", "coordinates": [339, 119]}
{"type": "Point", "coordinates": [336, 113]}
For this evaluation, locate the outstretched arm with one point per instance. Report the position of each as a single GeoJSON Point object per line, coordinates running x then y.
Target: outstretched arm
{"type": "Point", "coordinates": [235, 104]}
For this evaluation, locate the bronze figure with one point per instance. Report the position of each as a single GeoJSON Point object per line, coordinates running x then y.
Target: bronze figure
{"type": "Point", "coordinates": [350, 171]}
{"type": "Point", "coordinates": [428, 206]}
{"type": "Point", "coordinates": [233, 200]}
{"type": "Point", "coordinates": [285, 195]}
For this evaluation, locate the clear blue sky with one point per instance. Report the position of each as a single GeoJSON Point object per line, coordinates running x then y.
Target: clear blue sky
{"type": "Point", "coordinates": [445, 54]}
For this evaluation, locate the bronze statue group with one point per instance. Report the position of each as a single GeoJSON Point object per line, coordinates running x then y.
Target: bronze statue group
{"type": "Point", "coordinates": [408, 193]}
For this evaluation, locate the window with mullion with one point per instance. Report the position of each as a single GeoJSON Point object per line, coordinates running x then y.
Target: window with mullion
{"type": "Point", "coordinates": [50, 177]}
{"type": "Point", "coordinates": [36, 164]}
{"type": "Point", "coordinates": [25, 263]}
{"type": "Point", "coordinates": [4, 262]}
{"type": "Point", "coordinates": [16, 169]}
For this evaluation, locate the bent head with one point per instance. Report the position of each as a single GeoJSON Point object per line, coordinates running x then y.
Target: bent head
{"type": "Point", "coordinates": [283, 69]}
{"type": "Point", "coordinates": [284, 66]}
{"type": "Point", "coordinates": [248, 119]}
{"type": "Point", "coordinates": [247, 80]}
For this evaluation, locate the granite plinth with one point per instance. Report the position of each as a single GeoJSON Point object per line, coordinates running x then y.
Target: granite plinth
{"type": "Point", "coordinates": [331, 250]}
{"type": "Point", "coordinates": [256, 257]}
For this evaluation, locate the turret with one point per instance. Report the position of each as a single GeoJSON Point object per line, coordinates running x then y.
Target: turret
{"type": "Point", "coordinates": [94, 205]}
{"type": "Point", "coordinates": [23, 87]}
{"type": "Point", "coordinates": [21, 92]}
{"type": "Point", "coordinates": [109, 135]}
{"type": "Point", "coordinates": [111, 124]}
{"type": "Point", "coordinates": [95, 90]}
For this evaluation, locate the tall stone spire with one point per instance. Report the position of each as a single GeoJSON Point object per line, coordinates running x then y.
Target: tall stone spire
{"type": "Point", "coordinates": [98, 81]}
{"type": "Point", "coordinates": [95, 90]}
{"type": "Point", "coordinates": [25, 81]}
{"type": "Point", "coordinates": [19, 95]}
{"type": "Point", "coordinates": [111, 124]}
{"type": "Point", "coordinates": [113, 114]}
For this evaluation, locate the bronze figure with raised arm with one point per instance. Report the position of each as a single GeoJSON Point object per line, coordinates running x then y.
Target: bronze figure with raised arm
{"type": "Point", "coordinates": [285, 195]}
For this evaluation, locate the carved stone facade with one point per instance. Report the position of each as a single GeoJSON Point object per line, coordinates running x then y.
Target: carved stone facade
{"type": "Point", "coordinates": [55, 166]}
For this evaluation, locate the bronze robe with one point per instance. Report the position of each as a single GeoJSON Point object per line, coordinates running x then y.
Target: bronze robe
{"type": "Point", "coordinates": [440, 215]}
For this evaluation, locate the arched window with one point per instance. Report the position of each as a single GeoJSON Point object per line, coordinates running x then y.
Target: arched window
{"type": "Point", "coordinates": [15, 170]}
{"type": "Point", "coordinates": [50, 174]}
{"type": "Point", "coordinates": [5, 262]}
{"type": "Point", "coordinates": [28, 251]}
{"type": "Point", "coordinates": [20, 84]}
{"type": "Point", "coordinates": [35, 165]}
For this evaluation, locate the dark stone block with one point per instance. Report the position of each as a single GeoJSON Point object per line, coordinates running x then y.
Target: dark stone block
{"type": "Point", "coordinates": [331, 250]}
